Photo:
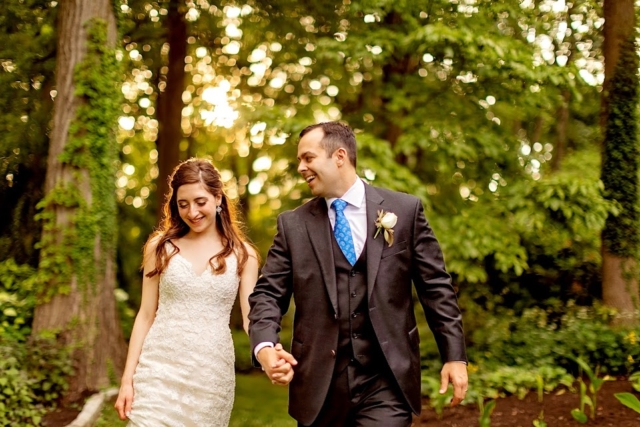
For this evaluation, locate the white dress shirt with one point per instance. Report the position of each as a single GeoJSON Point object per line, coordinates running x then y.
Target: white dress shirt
{"type": "Point", "coordinates": [356, 213]}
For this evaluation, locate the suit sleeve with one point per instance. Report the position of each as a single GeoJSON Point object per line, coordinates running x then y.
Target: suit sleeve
{"type": "Point", "coordinates": [435, 291]}
{"type": "Point", "coordinates": [272, 294]}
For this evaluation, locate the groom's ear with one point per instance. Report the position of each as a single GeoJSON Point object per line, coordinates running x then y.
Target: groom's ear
{"type": "Point", "coordinates": [341, 156]}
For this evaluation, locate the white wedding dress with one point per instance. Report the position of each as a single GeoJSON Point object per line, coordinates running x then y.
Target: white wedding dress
{"type": "Point", "coordinates": [185, 375]}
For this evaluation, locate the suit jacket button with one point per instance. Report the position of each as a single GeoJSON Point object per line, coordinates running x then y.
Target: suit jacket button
{"type": "Point", "coordinates": [335, 316]}
{"type": "Point", "coordinates": [333, 353]}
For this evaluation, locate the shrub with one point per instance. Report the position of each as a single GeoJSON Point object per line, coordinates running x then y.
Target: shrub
{"type": "Point", "coordinates": [32, 379]}
{"type": "Point", "coordinates": [491, 382]}
{"type": "Point", "coordinates": [550, 338]}
{"type": "Point", "coordinates": [512, 354]}
{"type": "Point", "coordinates": [17, 300]}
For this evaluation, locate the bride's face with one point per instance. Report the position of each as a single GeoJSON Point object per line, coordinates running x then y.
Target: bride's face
{"type": "Point", "coordinates": [197, 207]}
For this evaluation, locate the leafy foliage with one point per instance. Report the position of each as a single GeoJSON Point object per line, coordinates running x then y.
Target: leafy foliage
{"type": "Point", "coordinates": [539, 348]}
{"type": "Point", "coordinates": [538, 240]}
{"type": "Point", "coordinates": [32, 379]}
{"type": "Point", "coordinates": [544, 338]}
{"type": "Point", "coordinates": [454, 103]}
{"type": "Point", "coordinates": [17, 300]}
{"type": "Point", "coordinates": [27, 61]}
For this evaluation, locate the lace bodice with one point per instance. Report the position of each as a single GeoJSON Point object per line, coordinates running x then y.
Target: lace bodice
{"type": "Point", "coordinates": [185, 294]}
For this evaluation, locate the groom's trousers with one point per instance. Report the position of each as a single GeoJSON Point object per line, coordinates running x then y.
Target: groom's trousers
{"type": "Point", "coordinates": [362, 398]}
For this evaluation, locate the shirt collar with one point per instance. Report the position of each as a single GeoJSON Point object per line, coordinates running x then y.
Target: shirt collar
{"type": "Point", "coordinates": [354, 195]}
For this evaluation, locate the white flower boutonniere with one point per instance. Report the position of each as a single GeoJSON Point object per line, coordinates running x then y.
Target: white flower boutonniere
{"type": "Point", "coordinates": [385, 222]}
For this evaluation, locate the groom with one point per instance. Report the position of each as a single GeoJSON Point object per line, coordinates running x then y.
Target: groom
{"type": "Point", "coordinates": [355, 351]}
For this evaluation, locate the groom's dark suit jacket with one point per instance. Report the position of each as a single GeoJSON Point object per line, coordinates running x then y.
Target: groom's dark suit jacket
{"type": "Point", "coordinates": [301, 263]}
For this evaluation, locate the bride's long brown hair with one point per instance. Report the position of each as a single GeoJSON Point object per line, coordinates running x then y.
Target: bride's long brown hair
{"type": "Point", "coordinates": [194, 171]}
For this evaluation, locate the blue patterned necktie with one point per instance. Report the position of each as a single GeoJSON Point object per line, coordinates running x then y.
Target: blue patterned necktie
{"type": "Point", "coordinates": [342, 231]}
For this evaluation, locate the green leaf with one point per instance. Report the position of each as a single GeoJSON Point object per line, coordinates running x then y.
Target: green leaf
{"type": "Point", "coordinates": [10, 312]}
{"type": "Point", "coordinates": [587, 400]}
{"type": "Point", "coordinates": [579, 416]}
{"type": "Point", "coordinates": [629, 400]}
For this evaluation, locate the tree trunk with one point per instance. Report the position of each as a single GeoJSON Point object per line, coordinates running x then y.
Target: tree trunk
{"type": "Point", "coordinates": [561, 131]}
{"type": "Point", "coordinates": [538, 127]}
{"type": "Point", "coordinates": [85, 312]}
{"type": "Point", "coordinates": [619, 283]}
{"type": "Point", "coordinates": [619, 163]}
{"type": "Point", "coordinates": [619, 24]}
{"type": "Point", "coordinates": [170, 101]}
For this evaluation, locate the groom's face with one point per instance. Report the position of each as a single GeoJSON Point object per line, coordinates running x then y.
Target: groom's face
{"type": "Point", "coordinates": [318, 168]}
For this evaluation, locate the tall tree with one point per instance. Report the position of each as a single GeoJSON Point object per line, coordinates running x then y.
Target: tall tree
{"type": "Point", "coordinates": [620, 238]}
{"type": "Point", "coordinates": [77, 267]}
{"type": "Point", "coordinates": [170, 99]}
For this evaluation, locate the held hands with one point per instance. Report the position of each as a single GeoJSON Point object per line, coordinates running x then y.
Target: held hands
{"type": "Point", "coordinates": [125, 398]}
{"type": "Point", "coordinates": [456, 373]}
{"type": "Point", "coordinates": [277, 364]}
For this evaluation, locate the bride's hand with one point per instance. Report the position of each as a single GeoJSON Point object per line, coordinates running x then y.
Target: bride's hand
{"type": "Point", "coordinates": [125, 398]}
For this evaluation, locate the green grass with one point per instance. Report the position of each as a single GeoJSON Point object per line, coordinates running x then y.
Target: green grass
{"type": "Point", "coordinates": [258, 403]}
{"type": "Point", "coordinates": [109, 417]}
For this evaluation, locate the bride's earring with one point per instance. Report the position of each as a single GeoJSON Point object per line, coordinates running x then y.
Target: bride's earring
{"type": "Point", "coordinates": [219, 209]}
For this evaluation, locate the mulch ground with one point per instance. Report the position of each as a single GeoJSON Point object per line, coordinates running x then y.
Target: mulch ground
{"type": "Point", "coordinates": [65, 414]}
{"type": "Point", "coordinates": [60, 417]}
{"type": "Point", "coordinates": [513, 412]}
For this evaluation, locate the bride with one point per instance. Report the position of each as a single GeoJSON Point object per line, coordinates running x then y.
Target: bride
{"type": "Point", "coordinates": [180, 364]}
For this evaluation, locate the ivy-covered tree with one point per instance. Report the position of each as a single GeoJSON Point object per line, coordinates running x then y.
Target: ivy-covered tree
{"type": "Point", "coordinates": [76, 272]}
{"type": "Point", "coordinates": [620, 238]}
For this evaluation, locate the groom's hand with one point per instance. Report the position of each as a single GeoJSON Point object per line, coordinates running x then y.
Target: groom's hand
{"type": "Point", "coordinates": [277, 364]}
{"type": "Point", "coordinates": [456, 373]}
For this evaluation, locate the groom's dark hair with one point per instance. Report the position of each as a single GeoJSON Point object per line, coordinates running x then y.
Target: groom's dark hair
{"type": "Point", "coordinates": [336, 135]}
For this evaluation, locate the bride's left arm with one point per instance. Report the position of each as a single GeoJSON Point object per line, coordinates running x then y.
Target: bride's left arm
{"type": "Point", "coordinates": [248, 281]}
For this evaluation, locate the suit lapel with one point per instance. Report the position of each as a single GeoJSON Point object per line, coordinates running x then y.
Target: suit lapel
{"type": "Point", "coordinates": [319, 230]}
{"type": "Point", "coordinates": [374, 246]}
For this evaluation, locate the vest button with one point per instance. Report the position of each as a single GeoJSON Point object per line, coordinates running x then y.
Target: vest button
{"type": "Point", "coordinates": [354, 315]}
{"type": "Point", "coordinates": [353, 294]}
{"type": "Point", "coordinates": [353, 273]}
{"type": "Point", "coordinates": [333, 353]}
{"type": "Point", "coordinates": [356, 336]}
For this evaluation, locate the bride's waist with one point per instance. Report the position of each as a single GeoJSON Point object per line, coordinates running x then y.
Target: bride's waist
{"type": "Point", "coordinates": [178, 323]}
